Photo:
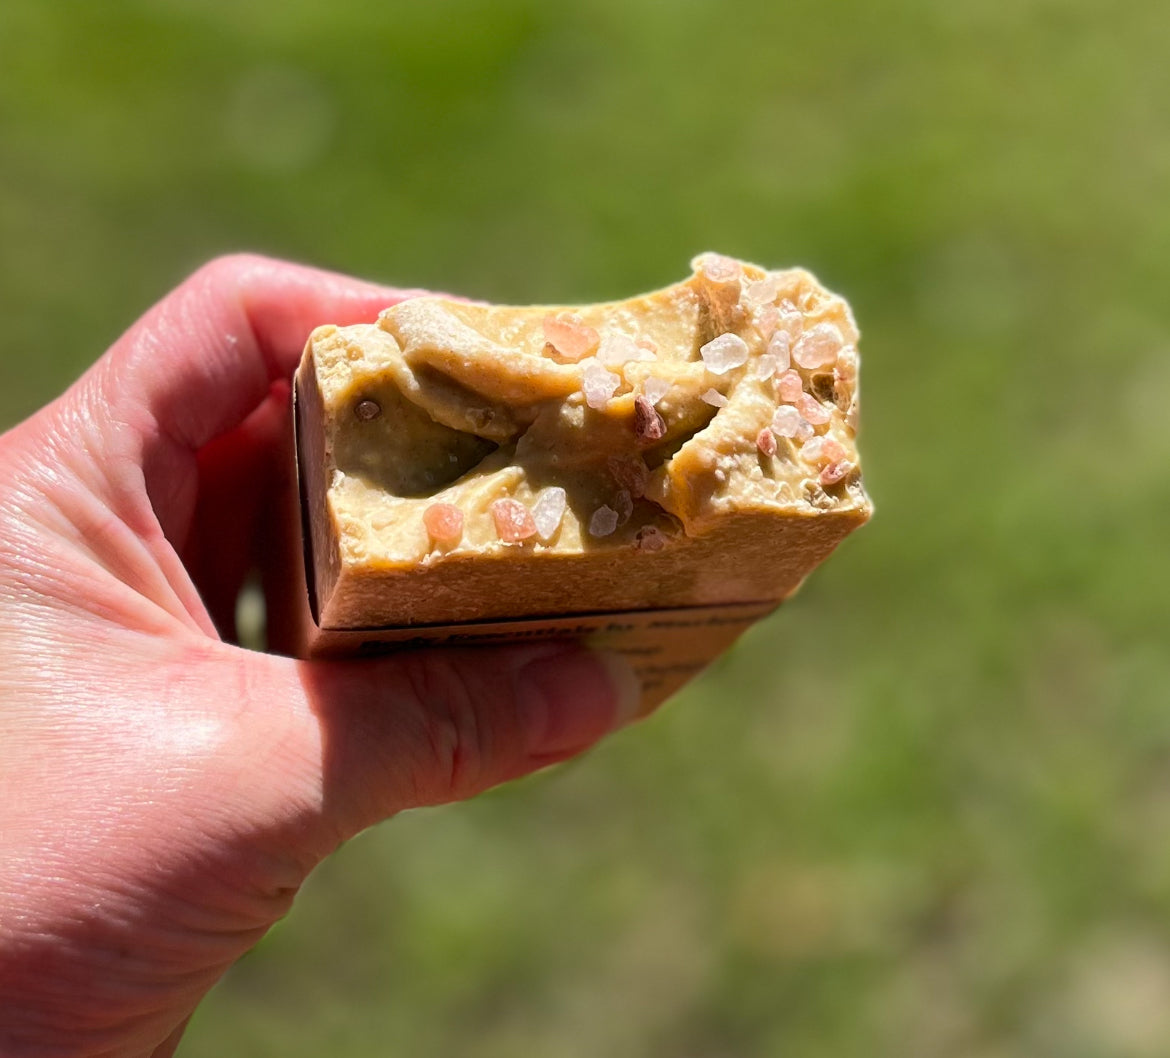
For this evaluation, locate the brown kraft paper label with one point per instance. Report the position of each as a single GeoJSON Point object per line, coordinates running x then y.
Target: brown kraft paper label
{"type": "Point", "coordinates": [665, 647]}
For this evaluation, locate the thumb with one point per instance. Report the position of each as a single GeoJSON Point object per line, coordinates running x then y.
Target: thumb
{"type": "Point", "coordinates": [362, 740]}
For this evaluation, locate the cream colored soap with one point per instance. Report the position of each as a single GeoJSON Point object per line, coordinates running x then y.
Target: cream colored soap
{"type": "Point", "coordinates": [689, 447]}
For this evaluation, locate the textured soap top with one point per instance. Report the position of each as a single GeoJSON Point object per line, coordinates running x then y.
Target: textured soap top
{"type": "Point", "coordinates": [456, 429]}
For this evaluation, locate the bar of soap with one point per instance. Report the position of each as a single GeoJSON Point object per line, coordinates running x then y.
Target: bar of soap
{"type": "Point", "coordinates": [690, 447]}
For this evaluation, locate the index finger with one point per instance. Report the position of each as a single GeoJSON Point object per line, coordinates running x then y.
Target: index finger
{"type": "Point", "coordinates": [196, 364]}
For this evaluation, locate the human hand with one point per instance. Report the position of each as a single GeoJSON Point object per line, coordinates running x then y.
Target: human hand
{"type": "Point", "coordinates": [163, 792]}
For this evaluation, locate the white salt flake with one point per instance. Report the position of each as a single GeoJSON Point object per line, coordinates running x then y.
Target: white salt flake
{"type": "Point", "coordinates": [717, 268]}
{"type": "Point", "coordinates": [617, 349]}
{"type": "Point", "coordinates": [766, 320]}
{"type": "Point", "coordinates": [818, 346]}
{"type": "Point", "coordinates": [603, 522]}
{"type": "Point", "coordinates": [847, 363]}
{"type": "Point", "coordinates": [655, 388]}
{"type": "Point", "coordinates": [779, 346]}
{"type": "Point", "coordinates": [765, 367]}
{"type": "Point", "coordinates": [786, 422]}
{"type": "Point", "coordinates": [804, 431]}
{"type": "Point", "coordinates": [762, 291]}
{"type": "Point", "coordinates": [724, 353]}
{"type": "Point", "coordinates": [598, 384]}
{"type": "Point", "coordinates": [715, 398]}
{"type": "Point", "coordinates": [813, 451]}
{"type": "Point", "coordinates": [791, 318]}
{"type": "Point", "coordinates": [548, 510]}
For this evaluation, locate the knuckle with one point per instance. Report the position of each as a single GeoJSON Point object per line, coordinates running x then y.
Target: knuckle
{"type": "Point", "coordinates": [461, 741]}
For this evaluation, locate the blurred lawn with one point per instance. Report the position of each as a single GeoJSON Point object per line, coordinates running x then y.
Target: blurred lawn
{"type": "Point", "coordinates": [925, 810]}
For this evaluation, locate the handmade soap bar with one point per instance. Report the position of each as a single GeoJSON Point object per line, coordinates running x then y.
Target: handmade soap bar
{"type": "Point", "coordinates": [690, 447]}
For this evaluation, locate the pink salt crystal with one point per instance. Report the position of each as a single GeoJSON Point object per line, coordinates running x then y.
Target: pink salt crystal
{"type": "Point", "coordinates": [717, 268]}
{"type": "Point", "coordinates": [818, 346]}
{"type": "Point", "coordinates": [835, 472]}
{"type": "Point", "coordinates": [764, 367]}
{"type": "Point", "coordinates": [630, 472]}
{"type": "Point", "coordinates": [616, 349]}
{"type": "Point", "coordinates": [715, 398]}
{"type": "Point", "coordinates": [548, 510]}
{"type": "Point", "coordinates": [624, 505]}
{"type": "Point", "coordinates": [648, 424]}
{"type": "Point", "coordinates": [444, 523]}
{"type": "Point", "coordinates": [812, 410]}
{"type": "Point", "coordinates": [832, 451]}
{"type": "Point", "coordinates": [649, 538]}
{"type": "Point", "coordinates": [724, 353]}
{"type": "Point", "coordinates": [513, 520]}
{"type": "Point", "coordinates": [786, 421]}
{"type": "Point", "coordinates": [569, 336]}
{"type": "Point", "coordinates": [791, 387]}
{"type": "Point", "coordinates": [655, 388]}
{"type": "Point", "coordinates": [603, 522]}
{"type": "Point", "coordinates": [598, 384]}
{"type": "Point", "coordinates": [766, 442]}
{"type": "Point", "coordinates": [778, 347]}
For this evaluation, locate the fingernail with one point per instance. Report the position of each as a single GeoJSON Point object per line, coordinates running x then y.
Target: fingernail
{"type": "Point", "coordinates": [569, 700]}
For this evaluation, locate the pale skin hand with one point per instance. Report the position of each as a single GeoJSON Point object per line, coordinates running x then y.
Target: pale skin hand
{"type": "Point", "coordinates": [163, 793]}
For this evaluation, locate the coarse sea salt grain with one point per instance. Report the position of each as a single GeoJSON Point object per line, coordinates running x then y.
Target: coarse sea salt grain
{"type": "Point", "coordinates": [833, 451]}
{"type": "Point", "coordinates": [762, 291]}
{"type": "Point", "coordinates": [569, 336]}
{"type": "Point", "coordinates": [616, 349]}
{"type": "Point", "coordinates": [779, 346]}
{"type": "Point", "coordinates": [812, 410]}
{"type": "Point", "coordinates": [598, 384]}
{"type": "Point", "coordinates": [766, 442]}
{"type": "Point", "coordinates": [836, 472]}
{"type": "Point", "coordinates": [813, 451]}
{"type": "Point", "coordinates": [714, 398]}
{"type": "Point", "coordinates": [648, 424]}
{"type": "Point", "coordinates": [603, 522]}
{"type": "Point", "coordinates": [765, 320]}
{"type": "Point", "coordinates": [649, 538]}
{"type": "Point", "coordinates": [623, 503]}
{"type": "Point", "coordinates": [655, 388]}
{"type": "Point", "coordinates": [790, 387]}
{"type": "Point", "coordinates": [630, 472]}
{"type": "Point", "coordinates": [724, 353]}
{"type": "Point", "coordinates": [513, 520]}
{"type": "Point", "coordinates": [786, 421]}
{"type": "Point", "coordinates": [764, 367]}
{"type": "Point", "coordinates": [791, 318]}
{"type": "Point", "coordinates": [548, 510]}
{"type": "Point", "coordinates": [847, 363]}
{"type": "Point", "coordinates": [818, 346]}
{"type": "Point", "coordinates": [717, 268]}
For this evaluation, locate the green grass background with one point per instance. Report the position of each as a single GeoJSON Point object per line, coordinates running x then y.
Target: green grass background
{"type": "Point", "coordinates": [923, 811]}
